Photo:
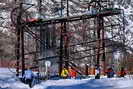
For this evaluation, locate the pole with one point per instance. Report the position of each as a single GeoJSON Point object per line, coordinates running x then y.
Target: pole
{"type": "Point", "coordinates": [103, 46]}
{"type": "Point", "coordinates": [61, 50]}
{"type": "Point", "coordinates": [18, 38]}
{"type": "Point", "coordinates": [98, 42]}
{"type": "Point", "coordinates": [18, 51]}
{"type": "Point", "coordinates": [61, 42]}
{"type": "Point", "coordinates": [22, 39]}
{"type": "Point", "coordinates": [40, 8]}
{"type": "Point", "coordinates": [67, 7]}
{"type": "Point", "coordinates": [99, 29]}
{"type": "Point", "coordinates": [86, 70]}
{"type": "Point", "coordinates": [65, 36]}
{"type": "Point", "coordinates": [61, 8]}
{"type": "Point", "coordinates": [66, 27]}
{"type": "Point", "coordinates": [22, 51]}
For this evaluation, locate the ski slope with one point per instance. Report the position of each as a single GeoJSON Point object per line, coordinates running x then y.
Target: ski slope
{"type": "Point", "coordinates": [9, 81]}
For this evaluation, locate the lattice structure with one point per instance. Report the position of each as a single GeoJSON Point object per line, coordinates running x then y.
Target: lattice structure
{"type": "Point", "coordinates": [71, 40]}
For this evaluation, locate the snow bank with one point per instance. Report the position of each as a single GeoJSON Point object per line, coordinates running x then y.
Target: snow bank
{"type": "Point", "coordinates": [9, 81]}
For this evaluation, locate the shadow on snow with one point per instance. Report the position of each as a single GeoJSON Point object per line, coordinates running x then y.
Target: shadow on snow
{"type": "Point", "coordinates": [90, 84]}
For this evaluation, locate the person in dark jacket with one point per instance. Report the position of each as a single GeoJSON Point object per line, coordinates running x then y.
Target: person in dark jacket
{"type": "Point", "coordinates": [97, 72]}
{"type": "Point", "coordinates": [110, 72]}
{"type": "Point", "coordinates": [28, 76]}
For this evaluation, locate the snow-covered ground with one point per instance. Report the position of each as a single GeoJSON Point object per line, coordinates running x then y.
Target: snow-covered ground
{"type": "Point", "coordinates": [8, 81]}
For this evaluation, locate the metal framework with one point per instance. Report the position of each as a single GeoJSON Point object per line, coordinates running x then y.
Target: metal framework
{"type": "Point", "coordinates": [82, 38]}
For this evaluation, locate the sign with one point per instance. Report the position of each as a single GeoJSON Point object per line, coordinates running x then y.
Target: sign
{"type": "Point", "coordinates": [47, 63]}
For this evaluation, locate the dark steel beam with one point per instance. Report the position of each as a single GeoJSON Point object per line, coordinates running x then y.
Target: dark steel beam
{"type": "Point", "coordinates": [73, 18]}
{"type": "Point", "coordinates": [18, 51]}
{"type": "Point", "coordinates": [18, 29]}
{"type": "Point", "coordinates": [61, 50]}
{"type": "Point", "coordinates": [88, 56]}
{"type": "Point", "coordinates": [22, 51]}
